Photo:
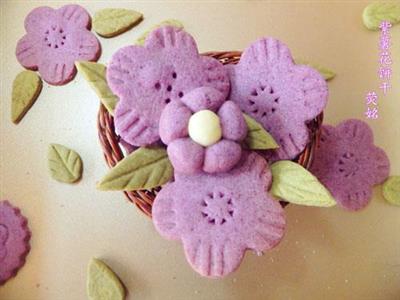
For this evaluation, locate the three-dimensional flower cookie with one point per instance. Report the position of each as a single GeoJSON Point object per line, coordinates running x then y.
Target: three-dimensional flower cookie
{"type": "Point", "coordinates": [279, 94]}
{"type": "Point", "coordinates": [348, 164]}
{"type": "Point", "coordinates": [203, 132]}
{"type": "Point", "coordinates": [218, 217]}
{"type": "Point", "coordinates": [55, 39]}
{"type": "Point", "coordinates": [147, 78]}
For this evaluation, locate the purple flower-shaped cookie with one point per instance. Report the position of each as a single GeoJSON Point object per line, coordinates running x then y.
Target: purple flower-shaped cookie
{"type": "Point", "coordinates": [55, 39]}
{"type": "Point", "coordinates": [348, 164]}
{"type": "Point", "coordinates": [147, 78]}
{"type": "Point", "coordinates": [279, 94]}
{"type": "Point", "coordinates": [14, 240]}
{"type": "Point", "coordinates": [203, 132]}
{"type": "Point", "coordinates": [218, 217]}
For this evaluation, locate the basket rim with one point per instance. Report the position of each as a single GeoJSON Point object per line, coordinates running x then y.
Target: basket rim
{"type": "Point", "coordinates": [143, 199]}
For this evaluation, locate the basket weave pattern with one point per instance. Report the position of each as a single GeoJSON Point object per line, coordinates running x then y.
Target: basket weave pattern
{"type": "Point", "coordinates": [113, 152]}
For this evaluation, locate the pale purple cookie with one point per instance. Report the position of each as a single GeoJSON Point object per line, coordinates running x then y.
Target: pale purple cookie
{"type": "Point", "coordinates": [14, 240]}
{"type": "Point", "coordinates": [279, 94]}
{"type": "Point", "coordinates": [185, 154]}
{"type": "Point", "coordinates": [348, 164]}
{"type": "Point", "coordinates": [55, 39]}
{"type": "Point", "coordinates": [147, 78]}
{"type": "Point", "coordinates": [218, 217]}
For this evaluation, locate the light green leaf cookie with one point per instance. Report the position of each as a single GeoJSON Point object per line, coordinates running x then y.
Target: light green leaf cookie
{"type": "Point", "coordinates": [110, 22]}
{"type": "Point", "coordinates": [172, 22]}
{"type": "Point", "coordinates": [257, 137]}
{"type": "Point", "coordinates": [26, 88]}
{"type": "Point", "coordinates": [102, 283]}
{"type": "Point", "coordinates": [65, 165]}
{"type": "Point", "coordinates": [325, 72]}
{"type": "Point", "coordinates": [144, 168]}
{"type": "Point", "coordinates": [391, 190]}
{"type": "Point", "coordinates": [377, 12]}
{"type": "Point", "coordinates": [294, 184]}
{"type": "Point", "coordinates": [95, 74]}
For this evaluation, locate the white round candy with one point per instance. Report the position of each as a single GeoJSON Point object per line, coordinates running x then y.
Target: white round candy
{"type": "Point", "coordinates": [205, 128]}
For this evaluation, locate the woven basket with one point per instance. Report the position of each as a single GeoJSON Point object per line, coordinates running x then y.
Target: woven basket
{"type": "Point", "coordinates": [113, 153]}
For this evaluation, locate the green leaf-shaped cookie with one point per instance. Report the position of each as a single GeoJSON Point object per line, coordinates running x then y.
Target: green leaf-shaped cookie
{"type": "Point", "coordinates": [294, 184]}
{"type": "Point", "coordinates": [325, 72]}
{"type": "Point", "coordinates": [110, 22]}
{"type": "Point", "coordinates": [95, 74]}
{"type": "Point", "coordinates": [65, 165]}
{"type": "Point", "coordinates": [26, 88]}
{"type": "Point", "coordinates": [144, 168]}
{"type": "Point", "coordinates": [391, 190]}
{"type": "Point", "coordinates": [377, 12]}
{"type": "Point", "coordinates": [257, 137]}
{"type": "Point", "coordinates": [102, 283]}
{"type": "Point", "coordinates": [171, 22]}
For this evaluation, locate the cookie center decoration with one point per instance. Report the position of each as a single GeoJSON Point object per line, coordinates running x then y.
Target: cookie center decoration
{"type": "Point", "coordinates": [205, 128]}
{"type": "Point", "coordinates": [217, 207]}
{"type": "Point", "coordinates": [55, 37]}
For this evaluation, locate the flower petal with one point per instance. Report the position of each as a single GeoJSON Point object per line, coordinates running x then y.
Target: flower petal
{"type": "Point", "coordinates": [26, 52]}
{"type": "Point", "coordinates": [311, 88]}
{"type": "Point", "coordinates": [356, 131]}
{"type": "Point", "coordinates": [186, 156]}
{"type": "Point", "coordinates": [57, 73]}
{"type": "Point", "coordinates": [203, 98]}
{"type": "Point", "coordinates": [174, 122]}
{"type": "Point", "coordinates": [380, 166]}
{"type": "Point", "coordinates": [222, 156]}
{"type": "Point", "coordinates": [268, 226]}
{"type": "Point", "coordinates": [292, 140]}
{"type": "Point", "coordinates": [168, 38]}
{"type": "Point", "coordinates": [232, 121]}
{"type": "Point", "coordinates": [132, 126]}
{"type": "Point", "coordinates": [82, 45]}
{"type": "Point", "coordinates": [266, 52]}
{"type": "Point", "coordinates": [213, 259]}
{"type": "Point", "coordinates": [216, 76]}
{"type": "Point", "coordinates": [124, 68]}
{"type": "Point", "coordinates": [38, 19]}
{"type": "Point", "coordinates": [164, 214]}
{"type": "Point", "coordinates": [75, 15]}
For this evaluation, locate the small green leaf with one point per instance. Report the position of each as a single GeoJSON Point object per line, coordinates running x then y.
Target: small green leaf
{"type": "Point", "coordinates": [102, 283]}
{"type": "Point", "coordinates": [257, 137]}
{"type": "Point", "coordinates": [294, 184]}
{"type": "Point", "coordinates": [144, 168]}
{"type": "Point", "coordinates": [171, 22]}
{"type": "Point", "coordinates": [25, 90]}
{"type": "Point", "coordinates": [95, 74]}
{"type": "Point", "coordinates": [377, 12]}
{"type": "Point", "coordinates": [325, 72]}
{"type": "Point", "coordinates": [65, 165]}
{"type": "Point", "coordinates": [391, 190]}
{"type": "Point", "coordinates": [110, 22]}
